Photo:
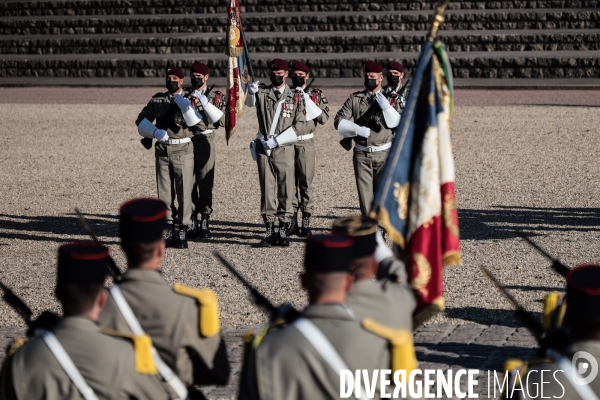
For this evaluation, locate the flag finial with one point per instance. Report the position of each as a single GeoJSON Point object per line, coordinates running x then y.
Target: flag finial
{"type": "Point", "coordinates": [437, 20]}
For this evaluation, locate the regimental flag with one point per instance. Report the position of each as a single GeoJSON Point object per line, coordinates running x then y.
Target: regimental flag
{"type": "Point", "coordinates": [415, 199]}
{"type": "Point", "coordinates": [239, 64]}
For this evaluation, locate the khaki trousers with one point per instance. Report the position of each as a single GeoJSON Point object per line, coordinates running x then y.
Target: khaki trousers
{"type": "Point", "coordinates": [368, 168]}
{"type": "Point", "coordinates": [204, 172]}
{"type": "Point", "coordinates": [174, 182]}
{"type": "Point", "coordinates": [304, 163]}
{"type": "Point", "coordinates": [276, 176]}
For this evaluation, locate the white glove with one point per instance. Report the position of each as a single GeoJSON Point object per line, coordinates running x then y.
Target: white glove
{"type": "Point", "coordinates": [381, 251]}
{"type": "Point", "coordinates": [203, 99]}
{"type": "Point", "coordinates": [382, 101]}
{"type": "Point", "coordinates": [253, 87]}
{"type": "Point", "coordinates": [181, 102]}
{"type": "Point", "coordinates": [299, 89]}
{"type": "Point", "coordinates": [271, 143]}
{"type": "Point", "coordinates": [364, 132]}
{"type": "Point", "coordinates": [161, 135]}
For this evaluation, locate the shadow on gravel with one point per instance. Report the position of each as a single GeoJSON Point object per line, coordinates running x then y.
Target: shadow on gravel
{"type": "Point", "coordinates": [563, 105]}
{"type": "Point", "coordinates": [487, 316]}
{"type": "Point", "coordinates": [25, 227]}
{"type": "Point", "coordinates": [504, 222]}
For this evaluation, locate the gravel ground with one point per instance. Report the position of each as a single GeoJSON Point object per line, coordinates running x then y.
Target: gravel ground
{"type": "Point", "coordinates": [527, 165]}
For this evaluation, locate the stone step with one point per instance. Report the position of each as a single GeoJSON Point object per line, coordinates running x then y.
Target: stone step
{"type": "Point", "coordinates": [557, 18]}
{"type": "Point", "coordinates": [311, 42]}
{"type": "Point", "coordinates": [129, 7]}
{"type": "Point", "coordinates": [499, 64]}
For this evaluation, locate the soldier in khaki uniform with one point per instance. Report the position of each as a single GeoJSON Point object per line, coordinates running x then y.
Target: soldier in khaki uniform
{"type": "Point", "coordinates": [279, 110]}
{"type": "Point", "coordinates": [110, 366]}
{"type": "Point", "coordinates": [174, 152]}
{"type": "Point", "coordinates": [288, 363]}
{"type": "Point", "coordinates": [305, 153]}
{"type": "Point", "coordinates": [373, 138]}
{"type": "Point", "coordinates": [575, 351]}
{"type": "Point", "coordinates": [393, 89]}
{"type": "Point", "coordinates": [210, 106]}
{"type": "Point", "coordinates": [182, 322]}
{"type": "Point", "coordinates": [389, 300]}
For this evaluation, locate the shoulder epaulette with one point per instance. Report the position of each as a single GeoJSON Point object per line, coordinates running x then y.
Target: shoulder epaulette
{"type": "Point", "coordinates": [142, 346]}
{"type": "Point", "coordinates": [401, 342]}
{"type": "Point", "coordinates": [209, 308]}
{"type": "Point", "coordinates": [159, 94]}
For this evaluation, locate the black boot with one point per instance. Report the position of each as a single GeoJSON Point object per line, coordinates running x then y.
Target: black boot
{"type": "Point", "coordinates": [305, 228]}
{"type": "Point", "coordinates": [203, 229]}
{"type": "Point", "coordinates": [282, 235]}
{"type": "Point", "coordinates": [270, 238]}
{"type": "Point", "coordinates": [192, 231]}
{"type": "Point", "coordinates": [169, 237]}
{"type": "Point", "coordinates": [292, 226]}
{"type": "Point", "coordinates": [180, 240]}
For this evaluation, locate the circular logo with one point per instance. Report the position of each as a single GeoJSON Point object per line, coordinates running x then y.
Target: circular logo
{"type": "Point", "coordinates": [583, 364]}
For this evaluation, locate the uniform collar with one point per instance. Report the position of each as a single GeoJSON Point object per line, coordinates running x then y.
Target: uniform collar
{"type": "Point", "coordinates": [328, 311]}
{"type": "Point", "coordinates": [284, 91]}
{"type": "Point", "coordinates": [144, 275]}
{"type": "Point", "coordinates": [77, 324]}
{"type": "Point", "coordinates": [364, 286]}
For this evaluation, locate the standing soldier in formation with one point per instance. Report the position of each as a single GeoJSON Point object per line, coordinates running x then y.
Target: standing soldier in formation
{"type": "Point", "coordinates": [389, 299]}
{"type": "Point", "coordinates": [183, 322]}
{"type": "Point", "coordinates": [393, 89]}
{"type": "Point", "coordinates": [210, 106]}
{"type": "Point", "coordinates": [74, 359]}
{"type": "Point", "coordinates": [305, 154]}
{"type": "Point", "coordinates": [373, 129]}
{"type": "Point", "coordinates": [573, 347]}
{"type": "Point", "coordinates": [174, 152]}
{"type": "Point", "coordinates": [279, 110]}
{"type": "Point", "coordinates": [297, 361]}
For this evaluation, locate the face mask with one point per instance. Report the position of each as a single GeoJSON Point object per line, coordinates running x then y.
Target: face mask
{"type": "Point", "coordinates": [370, 84]}
{"type": "Point", "coordinates": [298, 81]}
{"type": "Point", "coordinates": [393, 80]}
{"type": "Point", "coordinates": [172, 86]}
{"type": "Point", "coordinates": [276, 80]}
{"type": "Point", "coordinates": [197, 82]}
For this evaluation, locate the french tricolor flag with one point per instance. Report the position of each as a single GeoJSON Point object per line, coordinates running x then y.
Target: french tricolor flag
{"type": "Point", "coordinates": [415, 201]}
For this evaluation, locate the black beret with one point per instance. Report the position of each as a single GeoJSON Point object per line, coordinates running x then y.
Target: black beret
{"type": "Point", "coordinates": [328, 253]}
{"type": "Point", "coordinates": [142, 220]}
{"type": "Point", "coordinates": [360, 228]}
{"type": "Point", "coordinates": [82, 264]}
{"type": "Point", "coordinates": [583, 294]}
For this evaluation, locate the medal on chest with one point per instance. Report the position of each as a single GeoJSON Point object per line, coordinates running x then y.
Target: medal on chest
{"type": "Point", "coordinates": [286, 110]}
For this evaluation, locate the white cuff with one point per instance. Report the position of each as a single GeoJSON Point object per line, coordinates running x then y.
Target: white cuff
{"type": "Point", "coordinates": [287, 137]}
{"type": "Point", "coordinates": [392, 117]}
{"type": "Point", "coordinates": [347, 129]}
{"type": "Point", "coordinates": [250, 100]}
{"type": "Point", "coordinates": [213, 114]}
{"type": "Point", "coordinates": [191, 116]}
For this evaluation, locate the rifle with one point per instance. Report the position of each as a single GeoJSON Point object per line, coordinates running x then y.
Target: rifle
{"type": "Point", "coordinates": [307, 88]}
{"type": "Point", "coordinates": [346, 143]}
{"type": "Point", "coordinates": [112, 265]}
{"type": "Point", "coordinates": [403, 88]}
{"type": "Point", "coordinates": [557, 266]}
{"type": "Point", "coordinates": [257, 298]}
{"type": "Point", "coordinates": [45, 320]}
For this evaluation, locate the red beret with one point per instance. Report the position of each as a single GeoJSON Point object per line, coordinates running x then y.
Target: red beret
{"type": "Point", "coordinates": [199, 68]}
{"type": "Point", "coordinates": [278, 64]}
{"type": "Point", "coordinates": [371, 66]}
{"type": "Point", "coordinates": [173, 70]}
{"type": "Point", "coordinates": [395, 65]}
{"type": "Point", "coordinates": [300, 66]}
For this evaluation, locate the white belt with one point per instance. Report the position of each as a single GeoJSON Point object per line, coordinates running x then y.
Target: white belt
{"type": "Point", "coordinates": [373, 149]}
{"type": "Point", "coordinates": [206, 132]}
{"type": "Point", "coordinates": [179, 141]}
{"type": "Point", "coordinates": [306, 137]}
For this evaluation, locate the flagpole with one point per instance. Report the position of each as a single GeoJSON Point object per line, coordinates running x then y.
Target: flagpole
{"type": "Point", "coordinates": [438, 19]}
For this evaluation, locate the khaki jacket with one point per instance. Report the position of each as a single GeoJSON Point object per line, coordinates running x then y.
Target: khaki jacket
{"type": "Point", "coordinates": [289, 367]}
{"type": "Point", "coordinates": [396, 100]}
{"type": "Point", "coordinates": [357, 104]}
{"type": "Point", "coordinates": [308, 127]}
{"type": "Point", "coordinates": [265, 101]}
{"type": "Point", "coordinates": [165, 114]}
{"type": "Point", "coordinates": [387, 302]}
{"type": "Point", "coordinates": [172, 321]}
{"type": "Point", "coordinates": [531, 376]}
{"type": "Point", "coordinates": [106, 363]}
{"type": "Point", "coordinates": [215, 98]}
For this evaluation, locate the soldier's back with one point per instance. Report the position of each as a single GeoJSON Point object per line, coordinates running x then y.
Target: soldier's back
{"type": "Point", "coordinates": [289, 367]}
{"type": "Point", "coordinates": [106, 363]}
